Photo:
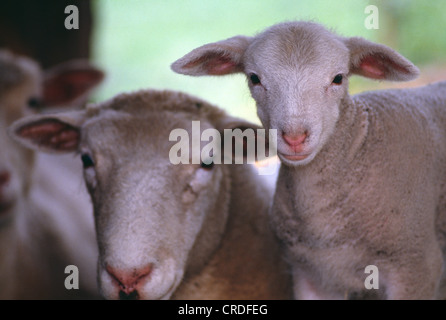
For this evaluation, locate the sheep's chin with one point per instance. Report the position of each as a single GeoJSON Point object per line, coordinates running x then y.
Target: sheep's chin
{"type": "Point", "coordinates": [169, 292]}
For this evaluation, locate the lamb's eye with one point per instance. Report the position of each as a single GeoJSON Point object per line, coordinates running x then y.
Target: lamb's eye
{"type": "Point", "coordinates": [255, 80]}
{"type": "Point", "coordinates": [34, 103]}
{"type": "Point", "coordinates": [87, 161]}
{"type": "Point", "coordinates": [338, 79]}
{"type": "Point", "coordinates": [207, 166]}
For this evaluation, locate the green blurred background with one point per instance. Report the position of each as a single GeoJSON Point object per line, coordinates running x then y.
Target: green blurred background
{"type": "Point", "coordinates": [135, 41]}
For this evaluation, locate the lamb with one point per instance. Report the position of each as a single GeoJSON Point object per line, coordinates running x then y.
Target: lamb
{"type": "Point", "coordinates": [46, 222]}
{"type": "Point", "coordinates": [164, 230]}
{"type": "Point", "coordinates": [363, 178]}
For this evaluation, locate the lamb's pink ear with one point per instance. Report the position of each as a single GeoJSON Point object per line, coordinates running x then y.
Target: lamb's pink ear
{"type": "Point", "coordinates": [378, 61]}
{"type": "Point", "coordinates": [69, 83]}
{"type": "Point", "coordinates": [49, 133]}
{"type": "Point", "coordinates": [218, 58]}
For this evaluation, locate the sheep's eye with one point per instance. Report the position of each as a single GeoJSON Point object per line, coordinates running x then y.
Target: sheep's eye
{"type": "Point", "coordinates": [34, 103]}
{"type": "Point", "coordinates": [207, 166]}
{"type": "Point", "coordinates": [255, 80]}
{"type": "Point", "coordinates": [338, 79]}
{"type": "Point", "coordinates": [87, 161]}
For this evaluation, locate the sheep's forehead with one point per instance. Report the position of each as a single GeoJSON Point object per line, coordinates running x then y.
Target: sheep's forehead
{"type": "Point", "coordinates": [147, 132]}
{"type": "Point", "coordinates": [146, 101]}
{"type": "Point", "coordinates": [297, 47]}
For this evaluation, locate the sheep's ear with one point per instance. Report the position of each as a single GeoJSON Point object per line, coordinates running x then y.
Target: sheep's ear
{"type": "Point", "coordinates": [250, 150]}
{"type": "Point", "coordinates": [69, 83]}
{"type": "Point", "coordinates": [218, 58]}
{"type": "Point", "coordinates": [377, 61]}
{"type": "Point", "coordinates": [49, 133]}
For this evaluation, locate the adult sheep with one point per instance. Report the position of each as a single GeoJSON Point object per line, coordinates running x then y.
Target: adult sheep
{"type": "Point", "coordinates": [363, 178]}
{"type": "Point", "coordinates": [180, 231]}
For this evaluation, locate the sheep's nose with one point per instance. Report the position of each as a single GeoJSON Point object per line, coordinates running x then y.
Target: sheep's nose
{"type": "Point", "coordinates": [295, 141]}
{"type": "Point", "coordinates": [129, 281]}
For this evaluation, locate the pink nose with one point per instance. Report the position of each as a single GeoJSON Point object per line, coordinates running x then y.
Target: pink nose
{"type": "Point", "coordinates": [129, 281]}
{"type": "Point", "coordinates": [295, 141]}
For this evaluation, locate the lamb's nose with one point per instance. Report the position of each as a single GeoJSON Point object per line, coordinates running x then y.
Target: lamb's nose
{"type": "Point", "coordinates": [129, 281]}
{"type": "Point", "coordinates": [295, 141]}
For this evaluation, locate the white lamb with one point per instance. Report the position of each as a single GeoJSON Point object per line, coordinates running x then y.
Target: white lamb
{"type": "Point", "coordinates": [46, 221]}
{"type": "Point", "coordinates": [185, 231]}
{"type": "Point", "coordinates": [363, 178]}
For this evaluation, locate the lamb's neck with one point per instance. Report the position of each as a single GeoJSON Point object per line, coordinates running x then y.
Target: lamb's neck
{"type": "Point", "coordinates": [308, 194]}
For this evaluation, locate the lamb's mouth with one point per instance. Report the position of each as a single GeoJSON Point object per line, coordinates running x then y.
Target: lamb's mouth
{"type": "Point", "coordinates": [294, 157]}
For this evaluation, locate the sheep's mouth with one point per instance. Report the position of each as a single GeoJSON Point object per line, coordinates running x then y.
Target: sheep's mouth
{"type": "Point", "coordinates": [137, 295]}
